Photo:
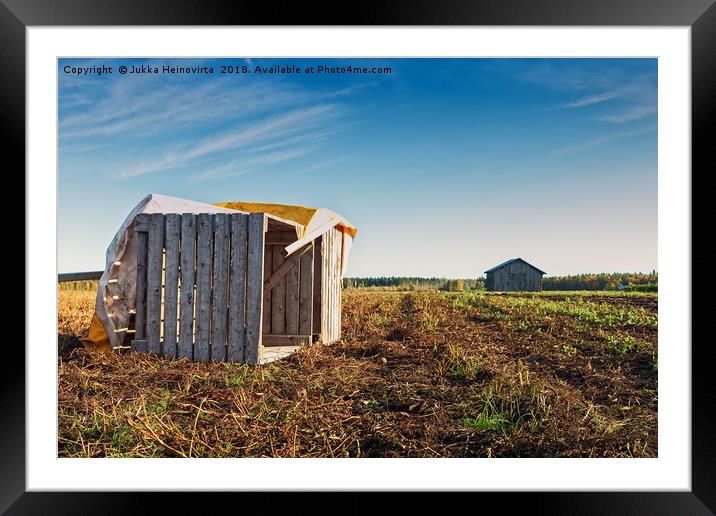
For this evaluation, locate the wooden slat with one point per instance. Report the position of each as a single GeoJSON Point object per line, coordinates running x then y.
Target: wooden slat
{"type": "Point", "coordinates": [285, 340]}
{"type": "Point", "coordinates": [220, 290]}
{"type": "Point", "coordinates": [154, 281]}
{"type": "Point", "coordinates": [280, 241]}
{"type": "Point", "coordinates": [140, 318]}
{"type": "Point", "coordinates": [268, 267]}
{"type": "Point", "coordinates": [171, 284]}
{"type": "Point", "coordinates": [329, 288]}
{"type": "Point", "coordinates": [188, 263]}
{"type": "Point", "coordinates": [237, 287]}
{"type": "Point", "coordinates": [254, 288]}
{"type": "Point", "coordinates": [311, 235]}
{"type": "Point", "coordinates": [278, 294]}
{"type": "Point", "coordinates": [325, 288]}
{"type": "Point", "coordinates": [338, 282]}
{"type": "Point", "coordinates": [281, 237]}
{"type": "Point", "coordinates": [139, 346]}
{"type": "Point", "coordinates": [331, 285]}
{"type": "Point", "coordinates": [332, 280]}
{"type": "Point", "coordinates": [292, 290]}
{"type": "Point", "coordinates": [317, 284]}
{"type": "Point", "coordinates": [79, 276]}
{"type": "Point", "coordinates": [286, 265]}
{"type": "Point", "coordinates": [305, 296]}
{"type": "Point", "coordinates": [141, 222]}
{"type": "Point", "coordinates": [203, 286]}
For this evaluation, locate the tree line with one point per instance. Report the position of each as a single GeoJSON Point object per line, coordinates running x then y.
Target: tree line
{"type": "Point", "coordinates": [602, 281]}
{"type": "Point", "coordinates": [415, 283]}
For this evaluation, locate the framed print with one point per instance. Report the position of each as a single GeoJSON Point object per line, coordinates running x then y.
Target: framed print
{"type": "Point", "coordinates": [417, 250]}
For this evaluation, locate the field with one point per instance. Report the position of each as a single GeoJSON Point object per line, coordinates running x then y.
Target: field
{"type": "Point", "coordinates": [417, 374]}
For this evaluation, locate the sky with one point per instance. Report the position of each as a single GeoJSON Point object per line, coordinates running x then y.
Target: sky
{"type": "Point", "coordinates": [447, 167]}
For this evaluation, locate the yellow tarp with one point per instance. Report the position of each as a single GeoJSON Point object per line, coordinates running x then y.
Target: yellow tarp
{"type": "Point", "coordinates": [300, 214]}
{"type": "Point", "coordinates": [309, 218]}
{"type": "Point", "coordinates": [97, 338]}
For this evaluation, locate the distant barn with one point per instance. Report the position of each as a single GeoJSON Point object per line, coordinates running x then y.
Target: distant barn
{"type": "Point", "coordinates": [515, 275]}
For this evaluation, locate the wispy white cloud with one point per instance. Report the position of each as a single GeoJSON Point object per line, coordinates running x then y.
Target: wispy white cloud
{"type": "Point", "coordinates": [232, 168]}
{"type": "Point", "coordinates": [232, 126]}
{"type": "Point", "coordinates": [630, 96]}
{"type": "Point", "coordinates": [593, 99]}
{"type": "Point", "coordinates": [135, 110]}
{"type": "Point", "coordinates": [631, 113]}
{"type": "Point", "coordinates": [307, 138]}
{"type": "Point", "coordinates": [244, 165]}
{"type": "Point", "coordinates": [350, 90]}
{"type": "Point", "coordinates": [273, 131]}
{"type": "Point", "coordinates": [634, 101]}
{"type": "Point", "coordinates": [319, 165]}
{"type": "Point", "coordinates": [271, 128]}
{"type": "Point", "coordinates": [279, 157]}
{"type": "Point", "coordinates": [601, 140]}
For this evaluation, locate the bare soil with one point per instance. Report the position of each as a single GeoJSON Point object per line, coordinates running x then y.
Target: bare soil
{"type": "Point", "coordinates": [415, 375]}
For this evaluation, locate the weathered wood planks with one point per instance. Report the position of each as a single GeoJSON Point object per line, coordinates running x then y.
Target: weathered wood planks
{"type": "Point", "coordinates": [79, 276]}
{"type": "Point", "coordinates": [317, 285]}
{"type": "Point", "coordinates": [514, 275]}
{"type": "Point", "coordinates": [286, 264]}
{"type": "Point", "coordinates": [237, 287]}
{"type": "Point", "coordinates": [285, 340]}
{"type": "Point", "coordinates": [171, 284]}
{"type": "Point", "coordinates": [154, 281]}
{"type": "Point", "coordinates": [186, 308]}
{"type": "Point", "coordinates": [211, 287]}
{"type": "Point", "coordinates": [278, 293]}
{"type": "Point", "coordinates": [338, 284]}
{"type": "Point", "coordinates": [268, 270]}
{"type": "Point", "coordinates": [254, 288]}
{"type": "Point", "coordinates": [331, 286]}
{"type": "Point", "coordinates": [140, 318]}
{"type": "Point", "coordinates": [203, 286]}
{"type": "Point", "coordinates": [292, 298]}
{"type": "Point", "coordinates": [220, 284]}
{"type": "Point", "coordinates": [305, 294]}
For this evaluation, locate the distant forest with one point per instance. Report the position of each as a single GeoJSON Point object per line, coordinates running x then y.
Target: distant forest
{"type": "Point", "coordinates": [414, 283]}
{"type": "Point", "coordinates": [603, 281]}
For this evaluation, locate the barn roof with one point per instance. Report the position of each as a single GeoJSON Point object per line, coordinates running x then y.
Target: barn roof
{"type": "Point", "coordinates": [513, 260]}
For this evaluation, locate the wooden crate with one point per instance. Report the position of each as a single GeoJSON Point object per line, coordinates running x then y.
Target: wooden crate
{"type": "Point", "coordinates": [200, 285]}
{"type": "Point", "coordinates": [221, 287]}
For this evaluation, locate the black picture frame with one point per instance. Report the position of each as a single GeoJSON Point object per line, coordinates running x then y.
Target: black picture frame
{"type": "Point", "coordinates": [700, 15]}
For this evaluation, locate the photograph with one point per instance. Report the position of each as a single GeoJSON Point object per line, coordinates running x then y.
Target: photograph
{"type": "Point", "coordinates": [370, 257]}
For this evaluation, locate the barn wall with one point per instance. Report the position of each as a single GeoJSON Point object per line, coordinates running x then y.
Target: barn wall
{"type": "Point", "coordinates": [331, 286]}
{"type": "Point", "coordinates": [502, 280]}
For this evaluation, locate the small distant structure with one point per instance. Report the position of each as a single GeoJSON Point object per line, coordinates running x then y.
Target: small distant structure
{"type": "Point", "coordinates": [515, 275]}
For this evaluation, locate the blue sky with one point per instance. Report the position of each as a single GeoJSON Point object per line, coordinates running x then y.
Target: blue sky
{"type": "Point", "coordinates": [446, 166]}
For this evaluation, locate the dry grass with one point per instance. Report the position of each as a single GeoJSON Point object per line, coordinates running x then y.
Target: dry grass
{"type": "Point", "coordinates": [74, 309]}
{"type": "Point", "coordinates": [415, 375]}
